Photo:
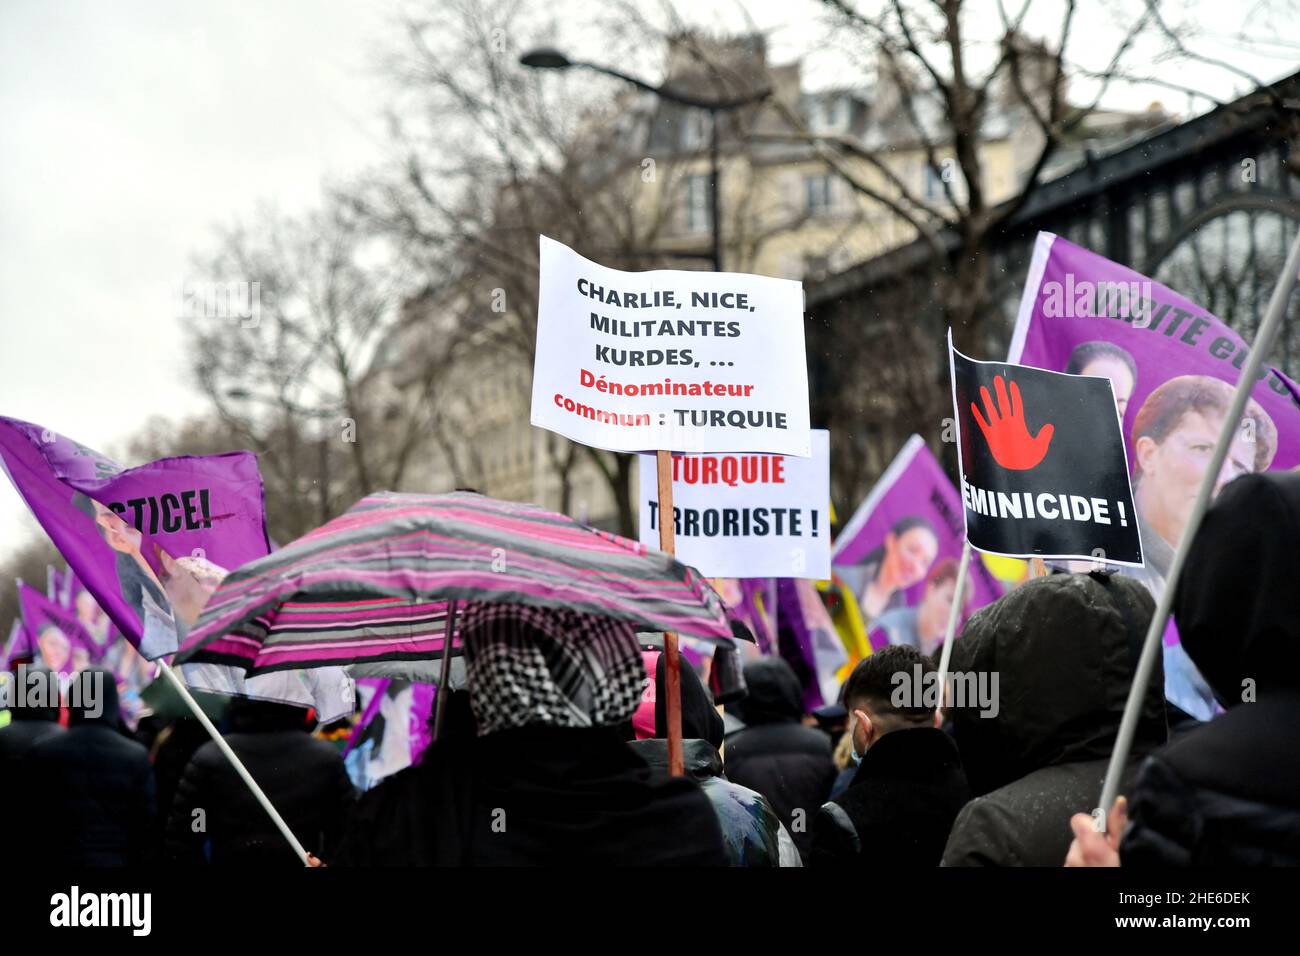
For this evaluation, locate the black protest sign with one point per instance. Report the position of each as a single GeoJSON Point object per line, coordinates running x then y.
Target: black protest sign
{"type": "Point", "coordinates": [1043, 469]}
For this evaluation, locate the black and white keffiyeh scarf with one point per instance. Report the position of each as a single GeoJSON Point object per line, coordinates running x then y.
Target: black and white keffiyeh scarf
{"type": "Point", "coordinates": [528, 665]}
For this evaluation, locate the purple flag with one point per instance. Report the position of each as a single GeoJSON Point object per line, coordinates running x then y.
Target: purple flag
{"type": "Point", "coordinates": [145, 541]}
{"type": "Point", "coordinates": [1174, 368]}
{"type": "Point", "coordinates": [69, 586]}
{"type": "Point", "coordinates": [898, 554]}
{"type": "Point", "coordinates": [1084, 314]}
{"type": "Point", "coordinates": [55, 636]}
{"type": "Point", "coordinates": [63, 586]}
{"type": "Point", "coordinates": [76, 597]}
{"type": "Point", "coordinates": [394, 729]}
{"type": "Point", "coordinates": [150, 545]}
{"type": "Point", "coordinates": [18, 644]}
{"type": "Point", "coordinates": [132, 672]}
{"type": "Point", "coordinates": [742, 596]}
{"type": "Point", "coordinates": [808, 640]}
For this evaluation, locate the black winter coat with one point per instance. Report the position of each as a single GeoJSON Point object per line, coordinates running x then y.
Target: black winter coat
{"type": "Point", "coordinates": [1064, 648]}
{"type": "Point", "coordinates": [16, 744]}
{"type": "Point", "coordinates": [899, 808]}
{"type": "Point", "coordinates": [751, 832]}
{"type": "Point", "coordinates": [1027, 823]}
{"type": "Point", "coordinates": [17, 740]}
{"type": "Point", "coordinates": [533, 796]}
{"type": "Point", "coordinates": [97, 788]}
{"type": "Point", "coordinates": [1228, 793]}
{"type": "Point", "coordinates": [777, 756]}
{"type": "Point", "coordinates": [214, 817]}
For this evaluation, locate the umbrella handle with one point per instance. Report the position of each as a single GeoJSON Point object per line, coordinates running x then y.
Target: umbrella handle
{"type": "Point", "coordinates": [444, 682]}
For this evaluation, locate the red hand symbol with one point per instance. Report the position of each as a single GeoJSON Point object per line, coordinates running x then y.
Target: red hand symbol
{"type": "Point", "coordinates": [1008, 435]}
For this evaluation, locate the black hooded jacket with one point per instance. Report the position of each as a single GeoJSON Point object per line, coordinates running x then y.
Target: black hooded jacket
{"type": "Point", "coordinates": [751, 832]}
{"type": "Point", "coordinates": [1228, 793]}
{"type": "Point", "coordinates": [533, 796]}
{"type": "Point", "coordinates": [1064, 648]}
{"type": "Point", "coordinates": [28, 726]}
{"type": "Point", "coordinates": [898, 809]}
{"type": "Point", "coordinates": [303, 777]}
{"type": "Point", "coordinates": [96, 785]}
{"type": "Point", "coordinates": [775, 754]}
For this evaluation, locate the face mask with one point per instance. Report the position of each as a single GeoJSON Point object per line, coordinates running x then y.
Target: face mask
{"type": "Point", "coordinates": [853, 743]}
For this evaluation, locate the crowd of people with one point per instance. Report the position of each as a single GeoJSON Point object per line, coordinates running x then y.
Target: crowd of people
{"type": "Point", "coordinates": [555, 751]}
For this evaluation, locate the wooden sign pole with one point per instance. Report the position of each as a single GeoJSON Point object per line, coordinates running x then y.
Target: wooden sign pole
{"type": "Point", "coordinates": [672, 659]}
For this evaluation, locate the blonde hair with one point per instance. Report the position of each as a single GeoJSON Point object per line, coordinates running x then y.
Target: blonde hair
{"type": "Point", "coordinates": [843, 752]}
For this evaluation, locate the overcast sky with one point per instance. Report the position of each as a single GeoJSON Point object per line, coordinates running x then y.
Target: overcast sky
{"type": "Point", "coordinates": [130, 130]}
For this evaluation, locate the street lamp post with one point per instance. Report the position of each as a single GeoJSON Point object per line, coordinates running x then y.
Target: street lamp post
{"type": "Point", "coordinates": [554, 60]}
{"type": "Point", "coordinates": [549, 59]}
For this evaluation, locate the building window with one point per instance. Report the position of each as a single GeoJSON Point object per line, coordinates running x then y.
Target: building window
{"type": "Point", "coordinates": [698, 209]}
{"type": "Point", "coordinates": [817, 194]}
{"type": "Point", "coordinates": [932, 182]}
{"type": "Point", "coordinates": [830, 115]}
{"type": "Point", "coordinates": [694, 129]}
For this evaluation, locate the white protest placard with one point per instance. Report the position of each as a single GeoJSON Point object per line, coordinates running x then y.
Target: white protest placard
{"type": "Point", "coordinates": [685, 361]}
{"type": "Point", "coordinates": [745, 515]}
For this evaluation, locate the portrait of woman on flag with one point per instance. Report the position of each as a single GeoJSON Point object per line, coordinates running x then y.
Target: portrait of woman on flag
{"type": "Point", "coordinates": [900, 561]}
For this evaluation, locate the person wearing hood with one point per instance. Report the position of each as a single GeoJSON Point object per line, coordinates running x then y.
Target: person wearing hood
{"type": "Point", "coordinates": [1064, 649]}
{"type": "Point", "coordinates": [548, 779]}
{"type": "Point", "coordinates": [1228, 792]}
{"type": "Point", "coordinates": [95, 782]}
{"type": "Point", "coordinates": [303, 777]}
{"type": "Point", "coordinates": [27, 727]}
{"type": "Point", "coordinates": [775, 754]}
{"type": "Point", "coordinates": [750, 829]}
{"type": "Point", "coordinates": [909, 785]}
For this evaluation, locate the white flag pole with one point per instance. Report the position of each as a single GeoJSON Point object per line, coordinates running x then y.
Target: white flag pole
{"type": "Point", "coordinates": [954, 614]}
{"type": "Point", "coordinates": [235, 762]}
{"type": "Point", "coordinates": [1249, 376]}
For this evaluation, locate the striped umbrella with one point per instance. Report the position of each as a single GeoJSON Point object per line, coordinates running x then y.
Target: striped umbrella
{"type": "Point", "coordinates": [375, 583]}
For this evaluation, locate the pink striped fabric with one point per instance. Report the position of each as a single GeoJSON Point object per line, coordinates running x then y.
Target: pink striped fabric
{"type": "Point", "coordinates": [373, 584]}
